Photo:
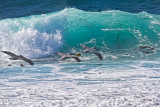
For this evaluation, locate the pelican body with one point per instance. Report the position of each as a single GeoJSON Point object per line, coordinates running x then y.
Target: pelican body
{"type": "Point", "coordinates": [65, 56]}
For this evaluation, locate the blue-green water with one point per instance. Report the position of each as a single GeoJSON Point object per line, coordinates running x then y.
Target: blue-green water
{"type": "Point", "coordinates": [127, 75]}
{"type": "Point", "coordinates": [21, 8]}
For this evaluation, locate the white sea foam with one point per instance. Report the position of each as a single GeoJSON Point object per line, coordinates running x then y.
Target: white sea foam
{"type": "Point", "coordinates": [72, 84]}
{"type": "Point", "coordinates": [33, 36]}
{"type": "Point", "coordinates": [32, 43]}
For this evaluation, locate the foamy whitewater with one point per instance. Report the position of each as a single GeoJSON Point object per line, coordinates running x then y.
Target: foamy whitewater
{"type": "Point", "coordinates": [126, 77]}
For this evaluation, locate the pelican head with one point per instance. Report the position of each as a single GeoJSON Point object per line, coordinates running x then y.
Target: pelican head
{"type": "Point", "coordinates": [78, 54]}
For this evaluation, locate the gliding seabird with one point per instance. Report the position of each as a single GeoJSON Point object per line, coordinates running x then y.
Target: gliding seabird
{"type": "Point", "coordinates": [93, 50]}
{"type": "Point", "coordinates": [65, 56]}
{"type": "Point", "coordinates": [17, 57]}
{"type": "Point", "coordinates": [146, 49]}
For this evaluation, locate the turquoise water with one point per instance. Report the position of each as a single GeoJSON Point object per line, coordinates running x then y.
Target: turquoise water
{"type": "Point", "coordinates": [113, 32]}
{"type": "Point", "coordinates": [125, 77]}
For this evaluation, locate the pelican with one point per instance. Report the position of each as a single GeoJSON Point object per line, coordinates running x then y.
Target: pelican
{"type": "Point", "coordinates": [65, 56]}
{"type": "Point", "coordinates": [92, 50]}
{"type": "Point", "coordinates": [17, 57]}
{"type": "Point", "coordinates": [146, 49]}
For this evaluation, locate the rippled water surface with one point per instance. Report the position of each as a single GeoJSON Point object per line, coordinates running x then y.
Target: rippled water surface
{"type": "Point", "coordinates": [127, 76]}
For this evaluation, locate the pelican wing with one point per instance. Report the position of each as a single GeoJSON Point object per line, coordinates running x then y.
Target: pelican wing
{"type": "Point", "coordinates": [64, 57]}
{"type": "Point", "coordinates": [9, 53]}
{"type": "Point", "coordinates": [99, 55]}
{"type": "Point", "coordinates": [77, 59]}
{"type": "Point", "coordinates": [84, 46]}
{"type": "Point", "coordinates": [85, 51]}
{"type": "Point", "coordinates": [26, 59]}
{"type": "Point", "coordinates": [95, 48]}
{"type": "Point", "coordinates": [71, 56]}
{"type": "Point", "coordinates": [60, 54]}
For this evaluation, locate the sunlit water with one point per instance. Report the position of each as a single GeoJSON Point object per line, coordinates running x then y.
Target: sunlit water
{"type": "Point", "coordinates": [126, 77]}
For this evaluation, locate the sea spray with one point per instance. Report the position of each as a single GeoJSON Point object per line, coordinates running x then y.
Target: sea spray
{"type": "Point", "coordinates": [41, 35]}
{"type": "Point", "coordinates": [33, 36]}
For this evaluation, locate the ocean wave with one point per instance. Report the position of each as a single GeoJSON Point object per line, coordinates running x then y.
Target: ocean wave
{"type": "Point", "coordinates": [41, 35]}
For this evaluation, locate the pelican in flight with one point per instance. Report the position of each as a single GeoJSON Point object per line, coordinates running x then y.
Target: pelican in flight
{"type": "Point", "coordinates": [146, 49]}
{"type": "Point", "coordinates": [92, 50]}
{"type": "Point", "coordinates": [65, 56]}
{"type": "Point", "coordinates": [17, 57]}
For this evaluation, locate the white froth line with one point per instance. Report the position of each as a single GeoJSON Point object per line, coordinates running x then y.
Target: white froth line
{"type": "Point", "coordinates": [49, 94]}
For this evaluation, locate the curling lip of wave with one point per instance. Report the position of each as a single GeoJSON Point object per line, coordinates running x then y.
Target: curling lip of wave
{"type": "Point", "coordinates": [39, 35]}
